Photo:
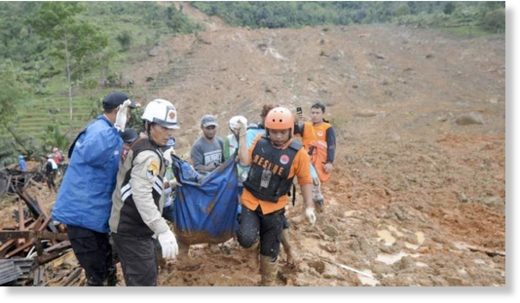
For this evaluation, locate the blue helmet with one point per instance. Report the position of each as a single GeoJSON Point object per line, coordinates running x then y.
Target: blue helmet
{"type": "Point", "coordinates": [20, 157]}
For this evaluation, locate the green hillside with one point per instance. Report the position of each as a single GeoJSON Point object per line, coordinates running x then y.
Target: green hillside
{"type": "Point", "coordinates": [479, 17]}
{"type": "Point", "coordinates": [36, 61]}
{"type": "Point", "coordinates": [49, 48]}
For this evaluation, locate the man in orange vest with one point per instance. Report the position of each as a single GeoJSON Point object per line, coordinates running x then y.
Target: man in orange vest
{"type": "Point", "coordinates": [323, 157]}
{"type": "Point", "coordinates": [319, 139]}
{"type": "Point", "coordinates": [275, 160]}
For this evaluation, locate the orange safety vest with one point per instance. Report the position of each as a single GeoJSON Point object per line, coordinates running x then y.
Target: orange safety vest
{"type": "Point", "coordinates": [317, 142]}
{"type": "Point", "coordinates": [299, 168]}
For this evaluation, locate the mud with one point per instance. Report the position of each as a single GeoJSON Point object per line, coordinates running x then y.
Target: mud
{"type": "Point", "coordinates": [416, 198]}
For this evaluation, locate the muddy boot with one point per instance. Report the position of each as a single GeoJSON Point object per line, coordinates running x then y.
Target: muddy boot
{"type": "Point", "coordinates": [317, 197]}
{"type": "Point", "coordinates": [255, 251]}
{"type": "Point", "coordinates": [287, 245]}
{"type": "Point", "coordinates": [184, 249]}
{"type": "Point", "coordinates": [268, 270]}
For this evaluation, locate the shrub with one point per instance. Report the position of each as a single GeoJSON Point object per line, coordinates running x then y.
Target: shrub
{"type": "Point", "coordinates": [494, 21]}
{"type": "Point", "coordinates": [125, 40]}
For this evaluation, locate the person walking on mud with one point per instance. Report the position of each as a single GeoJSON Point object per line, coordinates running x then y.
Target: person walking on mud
{"type": "Point", "coordinates": [326, 142]}
{"type": "Point", "coordinates": [136, 221]}
{"type": "Point", "coordinates": [319, 139]}
{"type": "Point", "coordinates": [275, 159]}
{"type": "Point", "coordinates": [85, 196]}
{"type": "Point", "coordinates": [253, 131]}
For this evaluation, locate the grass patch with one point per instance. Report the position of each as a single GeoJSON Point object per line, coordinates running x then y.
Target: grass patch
{"type": "Point", "coordinates": [466, 31]}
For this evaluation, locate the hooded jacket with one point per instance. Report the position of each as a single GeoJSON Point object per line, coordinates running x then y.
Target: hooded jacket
{"type": "Point", "coordinates": [85, 195]}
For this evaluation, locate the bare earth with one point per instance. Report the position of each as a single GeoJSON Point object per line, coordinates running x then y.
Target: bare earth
{"type": "Point", "coordinates": [418, 192]}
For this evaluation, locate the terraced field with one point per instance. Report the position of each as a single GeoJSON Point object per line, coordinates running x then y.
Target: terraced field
{"type": "Point", "coordinates": [37, 115]}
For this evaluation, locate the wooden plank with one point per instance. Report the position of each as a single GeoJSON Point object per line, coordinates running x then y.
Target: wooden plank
{"type": "Point", "coordinates": [59, 246]}
{"type": "Point", "coordinates": [33, 207]}
{"type": "Point", "coordinates": [37, 223]}
{"type": "Point", "coordinates": [31, 234]}
{"type": "Point", "coordinates": [6, 246]}
{"type": "Point", "coordinates": [38, 275]}
{"type": "Point", "coordinates": [21, 216]}
{"type": "Point", "coordinates": [73, 277]}
{"type": "Point", "coordinates": [53, 252]}
{"type": "Point", "coordinates": [68, 257]}
{"type": "Point", "coordinates": [19, 249]}
{"type": "Point", "coordinates": [21, 221]}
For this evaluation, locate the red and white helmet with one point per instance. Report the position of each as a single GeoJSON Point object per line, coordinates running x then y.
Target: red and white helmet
{"type": "Point", "coordinates": [162, 112]}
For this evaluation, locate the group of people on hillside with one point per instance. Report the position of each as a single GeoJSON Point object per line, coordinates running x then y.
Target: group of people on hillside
{"type": "Point", "coordinates": [116, 185]}
{"type": "Point", "coordinates": [51, 168]}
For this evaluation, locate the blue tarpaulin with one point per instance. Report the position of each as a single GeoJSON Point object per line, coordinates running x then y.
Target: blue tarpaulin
{"type": "Point", "coordinates": [205, 208]}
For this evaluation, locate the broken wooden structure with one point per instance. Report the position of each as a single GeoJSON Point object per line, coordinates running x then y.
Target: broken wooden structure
{"type": "Point", "coordinates": [35, 241]}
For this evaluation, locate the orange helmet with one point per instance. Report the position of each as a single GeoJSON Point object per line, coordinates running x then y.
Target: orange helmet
{"type": "Point", "coordinates": [279, 118]}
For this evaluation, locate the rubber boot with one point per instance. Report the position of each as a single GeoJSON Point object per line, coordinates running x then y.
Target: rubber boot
{"type": "Point", "coordinates": [184, 249]}
{"type": "Point", "coordinates": [284, 238]}
{"type": "Point", "coordinates": [317, 197]}
{"type": "Point", "coordinates": [255, 251]}
{"type": "Point", "coordinates": [268, 271]}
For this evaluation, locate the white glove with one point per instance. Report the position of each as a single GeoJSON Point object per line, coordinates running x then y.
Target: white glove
{"type": "Point", "coordinates": [328, 167]}
{"type": "Point", "coordinates": [167, 154]}
{"type": "Point", "coordinates": [311, 216]}
{"type": "Point", "coordinates": [168, 244]}
{"type": "Point", "coordinates": [174, 184]}
{"type": "Point", "coordinates": [121, 115]}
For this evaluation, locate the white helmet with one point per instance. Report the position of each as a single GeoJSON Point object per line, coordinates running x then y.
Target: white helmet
{"type": "Point", "coordinates": [233, 122]}
{"type": "Point", "coordinates": [162, 112]}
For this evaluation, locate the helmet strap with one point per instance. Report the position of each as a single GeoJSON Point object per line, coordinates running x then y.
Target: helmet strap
{"type": "Point", "coordinates": [147, 127]}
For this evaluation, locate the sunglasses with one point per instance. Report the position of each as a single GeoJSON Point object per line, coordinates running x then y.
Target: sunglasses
{"type": "Point", "coordinates": [210, 127]}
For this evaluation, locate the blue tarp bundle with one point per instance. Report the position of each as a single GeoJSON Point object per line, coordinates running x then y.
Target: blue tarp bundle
{"type": "Point", "coordinates": [205, 209]}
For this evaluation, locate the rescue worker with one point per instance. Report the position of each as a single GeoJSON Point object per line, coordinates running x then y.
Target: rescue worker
{"type": "Point", "coordinates": [275, 159]}
{"type": "Point", "coordinates": [323, 157]}
{"type": "Point", "coordinates": [129, 136]}
{"type": "Point", "coordinates": [51, 168]}
{"type": "Point", "coordinates": [84, 198]}
{"type": "Point", "coordinates": [207, 152]}
{"type": "Point", "coordinates": [319, 139]}
{"type": "Point", "coordinates": [138, 229]}
{"type": "Point", "coordinates": [253, 131]}
{"type": "Point", "coordinates": [57, 155]}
